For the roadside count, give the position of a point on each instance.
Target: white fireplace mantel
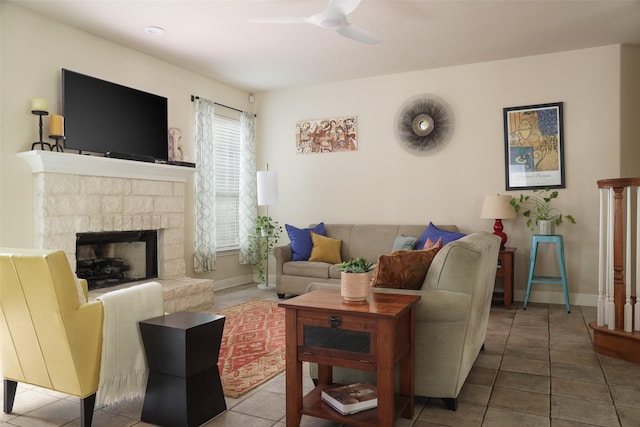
(81, 164)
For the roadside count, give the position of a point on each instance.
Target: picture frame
(534, 146)
(327, 135)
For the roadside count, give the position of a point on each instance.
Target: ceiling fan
(334, 17)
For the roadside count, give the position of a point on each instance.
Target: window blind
(226, 135)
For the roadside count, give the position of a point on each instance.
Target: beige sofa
(451, 317)
(358, 240)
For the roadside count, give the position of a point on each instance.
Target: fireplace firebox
(111, 258)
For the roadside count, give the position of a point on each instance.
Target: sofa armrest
(282, 254)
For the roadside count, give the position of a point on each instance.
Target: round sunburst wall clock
(424, 124)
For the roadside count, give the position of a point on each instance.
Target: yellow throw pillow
(325, 249)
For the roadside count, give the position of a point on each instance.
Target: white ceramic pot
(546, 227)
(355, 287)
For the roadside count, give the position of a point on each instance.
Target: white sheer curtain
(204, 258)
(248, 205)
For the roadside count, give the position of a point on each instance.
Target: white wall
(382, 183)
(630, 101)
(34, 49)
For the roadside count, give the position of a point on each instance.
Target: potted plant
(262, 240)
(355, 280)
(539, 211)
(267, 226)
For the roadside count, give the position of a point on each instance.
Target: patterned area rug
(253, 343)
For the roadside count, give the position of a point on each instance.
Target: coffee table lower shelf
(313, 405)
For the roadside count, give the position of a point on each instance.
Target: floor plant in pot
(539, 212)
(355, 280)
(263, 238)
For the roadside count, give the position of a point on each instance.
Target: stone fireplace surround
(76, 193)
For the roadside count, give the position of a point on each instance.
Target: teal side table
(548, 280)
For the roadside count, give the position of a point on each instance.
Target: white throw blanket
(124, 371)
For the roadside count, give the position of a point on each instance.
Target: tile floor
(538, 369)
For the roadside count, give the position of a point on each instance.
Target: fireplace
(110, 258)
(74, 194)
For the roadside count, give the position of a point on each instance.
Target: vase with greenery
(355, 280)
(263, 238)
(537, 209)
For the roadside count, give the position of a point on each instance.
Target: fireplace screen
(111, 258)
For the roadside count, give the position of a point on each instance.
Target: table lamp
(497, 207)
(267, 195)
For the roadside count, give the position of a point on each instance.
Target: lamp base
(497, 230)
(267, 287)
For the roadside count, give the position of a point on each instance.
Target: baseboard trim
(552, 297)
(233, 281)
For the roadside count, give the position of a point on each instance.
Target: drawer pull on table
(335, 321)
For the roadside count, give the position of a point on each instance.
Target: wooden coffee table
(375, 336)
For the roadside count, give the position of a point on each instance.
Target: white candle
(39, 104)
(56, 125)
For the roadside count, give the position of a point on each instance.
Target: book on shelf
(352, 398)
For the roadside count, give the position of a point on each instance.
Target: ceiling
(215, 38)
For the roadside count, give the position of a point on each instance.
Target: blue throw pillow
(403, 243)
(434, 233)
(301, 243)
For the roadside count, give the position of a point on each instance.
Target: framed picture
(327, 135)
(534, 146)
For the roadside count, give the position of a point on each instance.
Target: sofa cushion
(325, 249)
(434, 233)
(403, 269)
(301, 243)
(403, 243)
(317, 270)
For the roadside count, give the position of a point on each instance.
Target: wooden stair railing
(617, 328)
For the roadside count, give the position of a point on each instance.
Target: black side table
(184, 387)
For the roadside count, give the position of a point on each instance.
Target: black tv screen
(102, 117)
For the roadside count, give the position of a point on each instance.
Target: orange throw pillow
(430, 245)
(403, 269)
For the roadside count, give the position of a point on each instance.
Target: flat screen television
(105, 117)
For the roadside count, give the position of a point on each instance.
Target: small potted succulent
(355, 280)
(537, 208)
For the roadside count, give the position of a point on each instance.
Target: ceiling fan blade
(280, 20)
(343, 7)
(356, 33)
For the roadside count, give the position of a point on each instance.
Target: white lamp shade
(497, 207)
(267, 188)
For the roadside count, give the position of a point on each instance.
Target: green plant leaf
(538, 207)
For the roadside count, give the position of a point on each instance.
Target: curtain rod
(193, 98)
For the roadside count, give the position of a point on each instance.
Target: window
(226, 136)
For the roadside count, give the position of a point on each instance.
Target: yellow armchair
(48, 336)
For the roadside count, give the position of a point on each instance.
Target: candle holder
(40, 113)
(57, 145)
